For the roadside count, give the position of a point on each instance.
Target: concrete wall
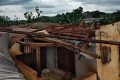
(83, 64)
(51, 57)
(80, 65)
(109, 71)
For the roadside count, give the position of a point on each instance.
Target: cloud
(12, 8)
(13, 2)
(108, 2)
(46, 3)
(53, 7)
(102, 5)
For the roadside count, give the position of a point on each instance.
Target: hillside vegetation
(74, 17)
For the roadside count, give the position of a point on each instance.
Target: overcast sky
(53, 7)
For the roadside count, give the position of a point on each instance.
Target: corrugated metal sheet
(8, 70)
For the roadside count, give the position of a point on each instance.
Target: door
(43, 57)
(66, 60)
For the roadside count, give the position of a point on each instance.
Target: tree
(28, 16)
(77, 15)
(38, 11)
(116, 15)
(97, 14)
(93, 14)
(73, 17)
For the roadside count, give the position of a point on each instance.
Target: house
(58, 52)
(108, 66)
(88, 20)
(69, 51)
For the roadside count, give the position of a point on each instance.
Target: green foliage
(110, 18)
(73, 17)
(28, 16)
(77, 15)
(116, 16)
(93, 14)
(38, 11)
(4, 20)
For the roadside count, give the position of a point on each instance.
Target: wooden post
(38, 61)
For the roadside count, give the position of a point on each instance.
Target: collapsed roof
(64, 35)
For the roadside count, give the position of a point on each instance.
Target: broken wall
(109, 71)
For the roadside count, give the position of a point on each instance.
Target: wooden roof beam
(56, 36)
(32, 44)
(71, 35)
(71, 47)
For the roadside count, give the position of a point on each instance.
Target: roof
(60, 32)
(72, 31)
(8, 69)
(24, 29)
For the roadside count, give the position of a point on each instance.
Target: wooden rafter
(34, 44)
(61, 37)
(71, 47)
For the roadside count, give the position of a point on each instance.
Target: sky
(52, 7)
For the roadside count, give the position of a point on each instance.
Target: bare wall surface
(83, 64)
(51, 57)
(109, 71)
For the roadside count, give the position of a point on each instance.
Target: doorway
(66, 60)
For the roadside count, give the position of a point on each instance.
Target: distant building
(88, 20)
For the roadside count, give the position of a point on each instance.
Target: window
(105, 54)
